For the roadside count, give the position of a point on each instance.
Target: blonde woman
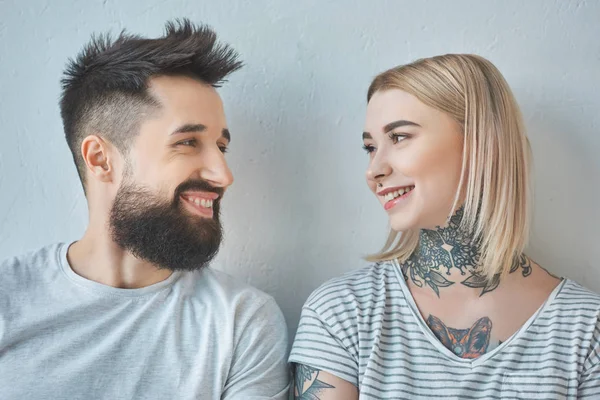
(452, 308)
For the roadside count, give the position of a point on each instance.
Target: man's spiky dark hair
(105, 88)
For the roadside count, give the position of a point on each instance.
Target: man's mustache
(198, 185)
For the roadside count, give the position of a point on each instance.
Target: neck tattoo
(444, 250)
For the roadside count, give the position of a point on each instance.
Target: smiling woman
(452, 308)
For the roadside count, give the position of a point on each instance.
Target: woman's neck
(447, 256)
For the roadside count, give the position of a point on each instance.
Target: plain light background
(299, 211)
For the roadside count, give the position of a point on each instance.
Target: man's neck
(447, 257)
(96, 257)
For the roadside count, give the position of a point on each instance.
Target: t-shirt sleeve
(320, 345)
(589, 384)
(589, 387)
(259, 369)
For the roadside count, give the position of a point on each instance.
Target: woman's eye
(368, 148)
(223, 149)
(397, 137)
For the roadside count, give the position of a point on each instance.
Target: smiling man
(132, 310)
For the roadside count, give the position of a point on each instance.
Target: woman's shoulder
(573, 294)
(574, 308)
(356, 286)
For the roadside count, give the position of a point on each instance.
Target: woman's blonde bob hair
(496, 154)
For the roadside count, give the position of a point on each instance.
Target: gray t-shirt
(196, 335)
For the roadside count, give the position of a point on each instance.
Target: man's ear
(96, 153)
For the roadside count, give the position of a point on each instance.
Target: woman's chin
(402, 223)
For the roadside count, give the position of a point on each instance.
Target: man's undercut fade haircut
(105, 88)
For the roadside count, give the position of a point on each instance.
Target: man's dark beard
(163, 233)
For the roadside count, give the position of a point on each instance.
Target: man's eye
(189, 142)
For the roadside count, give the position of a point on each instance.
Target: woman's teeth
(397, 193)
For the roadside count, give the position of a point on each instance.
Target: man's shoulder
(24, 267)
(356, 287)
(44, 253)
(214, 285)
(235, 303)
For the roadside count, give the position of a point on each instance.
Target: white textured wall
(299, 211)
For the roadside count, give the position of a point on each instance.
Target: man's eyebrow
(189, 128)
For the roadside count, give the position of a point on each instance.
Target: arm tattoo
(466, 343)
(450, 248)
(305, 374)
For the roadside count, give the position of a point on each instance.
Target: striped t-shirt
(366, 329)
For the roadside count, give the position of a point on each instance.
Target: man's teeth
(202, 202)
(397, 193)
